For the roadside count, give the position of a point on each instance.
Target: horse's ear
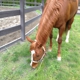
(31, 41)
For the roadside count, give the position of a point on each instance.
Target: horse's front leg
(61, 31)
(50, 46)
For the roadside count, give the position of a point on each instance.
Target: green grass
(14, 63)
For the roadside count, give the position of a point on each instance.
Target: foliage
(14, 62)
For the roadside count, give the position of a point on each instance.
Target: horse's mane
(48, 19)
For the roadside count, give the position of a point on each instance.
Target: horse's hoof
(59, 58)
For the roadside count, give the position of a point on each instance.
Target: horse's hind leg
(67, 36)
(50, 47)
(57, 37)
(68, 27)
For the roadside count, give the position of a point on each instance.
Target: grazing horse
(56, 14)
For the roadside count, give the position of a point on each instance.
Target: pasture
(15, 61)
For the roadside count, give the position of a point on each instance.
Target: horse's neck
(41, 37)
(45, 29)
(48, 20)
(43, 32)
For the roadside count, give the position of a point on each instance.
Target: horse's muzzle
(33, 65)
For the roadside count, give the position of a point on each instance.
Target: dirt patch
(13, 21)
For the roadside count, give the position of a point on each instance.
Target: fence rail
(23, 24)
(9, 13)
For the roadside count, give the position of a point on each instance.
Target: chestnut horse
(56, 14)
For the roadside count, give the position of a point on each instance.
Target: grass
(14, 63)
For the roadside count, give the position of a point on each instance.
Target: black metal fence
(21, 27)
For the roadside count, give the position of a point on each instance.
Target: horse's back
(70, 8)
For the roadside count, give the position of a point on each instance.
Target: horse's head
(37, 52)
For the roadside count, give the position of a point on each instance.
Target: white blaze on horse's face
(32, 53)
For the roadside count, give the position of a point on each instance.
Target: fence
(21, 27)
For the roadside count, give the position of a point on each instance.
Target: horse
(56, 14)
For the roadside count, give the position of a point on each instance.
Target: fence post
(35, 2)
(13, 3)
(42, 4)
(22, 18)
(0, 2)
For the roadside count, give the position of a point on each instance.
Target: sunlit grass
(14, 63)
